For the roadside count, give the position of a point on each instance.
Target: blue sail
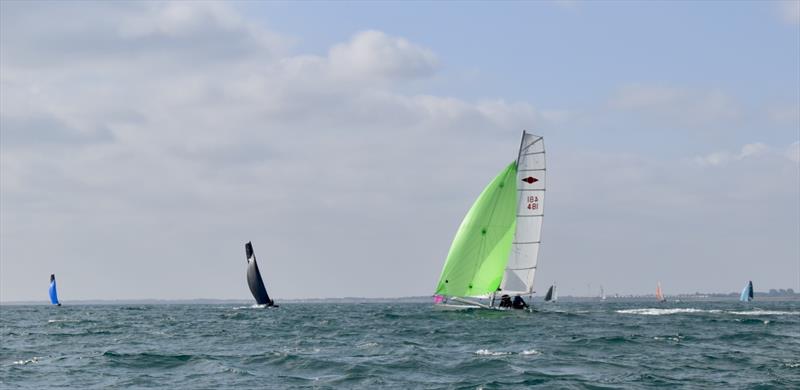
(53, 292)
(747, 292)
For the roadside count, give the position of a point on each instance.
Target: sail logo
(530, 180)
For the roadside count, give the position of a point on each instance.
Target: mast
(521, 267)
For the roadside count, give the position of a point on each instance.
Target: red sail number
(533, 202)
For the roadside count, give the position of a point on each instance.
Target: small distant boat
(747, 292)
(53, 291)
(495, 250)
(254, 280)
(602, 293)
(659, 293)
(552, 295)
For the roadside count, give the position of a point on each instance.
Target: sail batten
(531, 177)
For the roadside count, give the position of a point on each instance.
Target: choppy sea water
(608, 344)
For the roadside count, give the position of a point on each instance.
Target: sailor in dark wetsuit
(505, 301)
(519, 303)
(272, 303)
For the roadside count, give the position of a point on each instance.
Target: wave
(34, 359)
(148, 360)
(765, 313)
(60, 321)
(486, 352)
(253, 306)
(659, 312)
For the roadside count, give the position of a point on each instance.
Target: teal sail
(747, 292)
(480, 249)
(53, 292)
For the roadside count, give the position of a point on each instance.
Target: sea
(597, 344)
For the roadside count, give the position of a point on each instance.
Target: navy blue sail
(747, 292)
(254, 280)
(549, 296)
(53, 292)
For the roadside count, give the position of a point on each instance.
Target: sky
(143, 143)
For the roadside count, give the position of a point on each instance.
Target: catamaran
(496, 248)
(254, 280)
(747, 292)
(552, 295)
(659, 293)
(53, 292)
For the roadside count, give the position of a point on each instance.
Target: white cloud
(748, 151)
(785, 115)
(683, 106)
(793, 152)
(790, 11)
(752, 150)
(373, 53)
(147, 127)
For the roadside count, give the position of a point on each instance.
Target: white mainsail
(521, 267)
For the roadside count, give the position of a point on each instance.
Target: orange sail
(659, 293)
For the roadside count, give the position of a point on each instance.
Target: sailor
(519, 303)
(505, 301)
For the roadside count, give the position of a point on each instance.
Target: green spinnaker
(480, 249)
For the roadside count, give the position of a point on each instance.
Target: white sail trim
(531, 181)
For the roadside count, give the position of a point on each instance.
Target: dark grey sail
(254, 280)
(549, 296)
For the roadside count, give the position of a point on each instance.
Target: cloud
(377, 54)
(683, 106)
(785, 115)
(165, 131)
(138, 34)
(793, 152)
(790, 11)
(748, 151)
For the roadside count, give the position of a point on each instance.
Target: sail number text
(533, 202)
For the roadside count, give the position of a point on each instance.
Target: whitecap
(659, 312)
(530, 352)
(254, 306)
(34, 359)
(669, 338)
(486, 352)
(765, 313)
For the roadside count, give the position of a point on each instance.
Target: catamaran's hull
(459, 307)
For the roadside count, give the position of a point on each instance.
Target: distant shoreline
(416, 299)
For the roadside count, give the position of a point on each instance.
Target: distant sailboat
(659, 293)
(53, 291)
(496, 248)
(551, 295)
(602, 293)
(254, 280)
(747, 292)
